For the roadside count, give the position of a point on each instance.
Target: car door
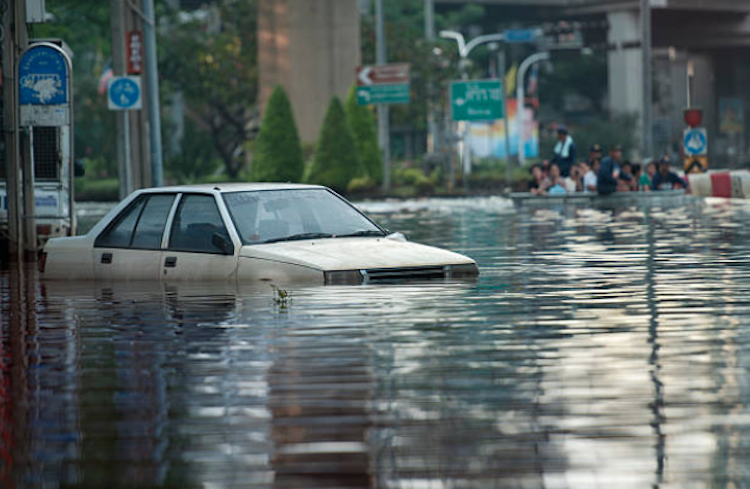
(130, 247)
(200, 246)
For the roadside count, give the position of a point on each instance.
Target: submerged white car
(246, 232)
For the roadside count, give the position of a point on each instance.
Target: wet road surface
(599, 348)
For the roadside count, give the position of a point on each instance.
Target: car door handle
(170, 261)
(106, 258)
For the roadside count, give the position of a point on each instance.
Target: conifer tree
(336, 159)
(362, 122)
(278, 152)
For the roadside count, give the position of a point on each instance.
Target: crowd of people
(603, 175)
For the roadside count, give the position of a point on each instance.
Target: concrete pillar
(312, 48)
(625, 65)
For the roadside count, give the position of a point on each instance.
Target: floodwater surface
(598, 349)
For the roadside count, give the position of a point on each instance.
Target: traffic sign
(124, 93)
(519, 35)
(695, 141)
(477, 100)
(393, 74)
(383, 84)
(383, 94)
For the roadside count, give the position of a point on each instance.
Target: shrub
(362, 123)
(336, 160)
(278, 153)
(361, 185)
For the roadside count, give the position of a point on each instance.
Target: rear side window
(140, 226)
(150, 226)
(119, 234)
(196, 221)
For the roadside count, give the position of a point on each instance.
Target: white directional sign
(695, 141)
(124, 93)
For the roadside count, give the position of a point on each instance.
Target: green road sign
(477, 100)
(383, 94)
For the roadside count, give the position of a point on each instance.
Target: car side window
(119, 234)
(150, 227)
(196, 221)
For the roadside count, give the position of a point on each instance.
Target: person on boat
(665, 179)
(557, 186)
(539, 182)
(645, 183)
(589, 177)
(625, 178)
(574, 181)
(565, 151)
(636, 173)
(609, 171)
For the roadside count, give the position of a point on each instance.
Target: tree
(336, 160)
(362, 123)
(278, 152)
(212, 60)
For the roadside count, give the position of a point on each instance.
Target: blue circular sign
(695, 141)
(43, 76)
(124, 93)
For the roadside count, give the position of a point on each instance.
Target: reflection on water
(599, 348)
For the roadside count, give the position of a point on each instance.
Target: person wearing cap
(665, 179)
(565, 151)
(609, 171)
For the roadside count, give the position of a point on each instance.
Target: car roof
(231, 187)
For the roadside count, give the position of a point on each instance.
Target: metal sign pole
(383, 125)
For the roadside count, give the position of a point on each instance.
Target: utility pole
(122, 130)
(152, 86)
(433, 143)
(506, 129)
(13, 42)
(383, 125)
(647, 81)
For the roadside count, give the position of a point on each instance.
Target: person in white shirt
(589, 178)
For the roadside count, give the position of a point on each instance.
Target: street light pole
(647, 81)
(520, 98)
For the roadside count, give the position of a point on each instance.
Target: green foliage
(278, 153)
(216, 70)
(336, 160)
(361, 185)
(489, 174)
(92, 189)
(197, 159)
(362, 123)
(585, 76)
(409, 177)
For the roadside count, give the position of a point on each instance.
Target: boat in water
(617, 199)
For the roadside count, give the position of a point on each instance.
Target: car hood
(353, 254)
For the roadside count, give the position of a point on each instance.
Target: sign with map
(44, 86)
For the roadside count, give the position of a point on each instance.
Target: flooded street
(598, 349)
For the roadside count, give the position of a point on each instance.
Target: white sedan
(246, 232)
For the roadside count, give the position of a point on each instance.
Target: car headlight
(344, 277)
(464, 271)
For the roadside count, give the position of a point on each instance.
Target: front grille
(399, 274)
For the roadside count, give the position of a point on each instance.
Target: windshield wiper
(296, 237)
(362, 233)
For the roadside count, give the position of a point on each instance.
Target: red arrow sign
(393, 74)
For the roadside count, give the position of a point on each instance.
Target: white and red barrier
(730, 184)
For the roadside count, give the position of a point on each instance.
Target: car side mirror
(222, 243)
(397, 237)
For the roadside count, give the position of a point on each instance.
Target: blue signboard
(43, 77)
(125, 93)
(519, 35)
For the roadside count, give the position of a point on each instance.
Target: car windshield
(269, 216)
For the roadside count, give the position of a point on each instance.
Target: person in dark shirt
(539, 182)
(609, 171)
(665, 179)
(565, 152)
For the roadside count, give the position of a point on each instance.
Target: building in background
(312, 48)
(710, 40)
